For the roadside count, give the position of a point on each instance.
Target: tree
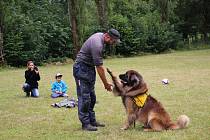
(77, 19)
(31, 35)
(205, 18)
(102, 9)
(163, 7)
(194, 18)
(1, 33)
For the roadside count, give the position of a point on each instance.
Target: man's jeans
(27, 89)
(85, 77)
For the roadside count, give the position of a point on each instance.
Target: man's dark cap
(114, 34)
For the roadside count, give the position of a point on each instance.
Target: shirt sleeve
(53, 87)
(97, 53)
(64, 87)
(38, 77)
(27, 75)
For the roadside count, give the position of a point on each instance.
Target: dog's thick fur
(152, 114)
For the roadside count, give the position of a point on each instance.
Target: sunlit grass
(188, 93)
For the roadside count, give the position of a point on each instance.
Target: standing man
(89, 58)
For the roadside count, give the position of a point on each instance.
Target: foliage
(29, 35)
(143, 32)
(161, 37)
(40, 30)
(193, 18)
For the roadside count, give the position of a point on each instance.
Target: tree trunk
(204, 19)
(102, 8)
(1, 34)
(1, 47)
(163, 6)
(165, 12)
(73, 13)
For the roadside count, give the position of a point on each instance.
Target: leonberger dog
(142, 107)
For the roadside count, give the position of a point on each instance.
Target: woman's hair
(29, 62)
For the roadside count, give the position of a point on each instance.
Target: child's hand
(58, 92)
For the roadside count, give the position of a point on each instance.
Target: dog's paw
(108, 70)
(124, 128)
(148, 130)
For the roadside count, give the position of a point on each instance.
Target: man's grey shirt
(91, 52)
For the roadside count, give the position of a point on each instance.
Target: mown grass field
(188, 93)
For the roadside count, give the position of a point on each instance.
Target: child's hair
(29, 62)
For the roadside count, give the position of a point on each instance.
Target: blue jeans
(34, 91)
(85, 77)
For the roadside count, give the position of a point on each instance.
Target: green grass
(188, 93)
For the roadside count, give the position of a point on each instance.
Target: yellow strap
(140, 99)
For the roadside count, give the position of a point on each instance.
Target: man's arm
(101, 73)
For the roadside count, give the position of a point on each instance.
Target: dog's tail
(182, 122)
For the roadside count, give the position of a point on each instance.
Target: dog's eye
(126, 77)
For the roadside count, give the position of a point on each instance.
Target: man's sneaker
(97, 124)
(89, 127)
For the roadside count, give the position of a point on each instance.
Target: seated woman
(59, 87)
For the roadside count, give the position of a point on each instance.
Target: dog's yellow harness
(140, 100)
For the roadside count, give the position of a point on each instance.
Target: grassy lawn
(188, 93)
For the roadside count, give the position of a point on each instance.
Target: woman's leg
(27, 89)
(34, 92)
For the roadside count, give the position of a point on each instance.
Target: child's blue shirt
(59, 86)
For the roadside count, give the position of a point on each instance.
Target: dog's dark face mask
(129, 79)
(124, 78)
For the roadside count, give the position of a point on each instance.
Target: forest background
(54, 30)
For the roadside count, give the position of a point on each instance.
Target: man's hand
(101, 73)
(108, 87)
